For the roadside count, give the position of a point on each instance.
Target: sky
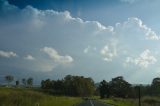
(99, 39)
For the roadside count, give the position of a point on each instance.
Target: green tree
(104, 89)
(9, 79)
(78, 86)
(30, 82)
(24, 82)
(17, 83)
(58, 86)
(155, 86)
(88, 87)
(46, 84)
(119, 87)
(70, 85)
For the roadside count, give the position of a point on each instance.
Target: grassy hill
(29, 97)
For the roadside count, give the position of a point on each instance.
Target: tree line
(82, 86)
(25, 82)
(70, 85)
(118, 87)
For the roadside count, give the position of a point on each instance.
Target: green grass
(145, 101)
(151, 101)
(34, 97)
(28, 97)
(119, 102)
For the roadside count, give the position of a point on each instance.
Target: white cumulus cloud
(136, 25)
(86, 49)
(29, 57)
(144, 60)
(53, 54)
(7, 54)
(109, 51)
(89, 48)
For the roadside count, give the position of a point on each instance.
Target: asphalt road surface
(92, 103)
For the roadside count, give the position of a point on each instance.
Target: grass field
(120, 102)
(28, 97)
(145, 101)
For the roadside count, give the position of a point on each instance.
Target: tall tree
(30, 82)
(119, 87)
(78, 86)
(47, 84)
(9, 79)
(17, 83)
(58, 86)
(104, 89)
(24, 82)
(155, 86)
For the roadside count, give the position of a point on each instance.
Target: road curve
(93, 103)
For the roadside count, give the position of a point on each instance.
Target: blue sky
(98, 39)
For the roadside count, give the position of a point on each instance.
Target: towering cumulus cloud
(48, 40)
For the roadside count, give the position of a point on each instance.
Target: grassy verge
(150, 101)
(145, 101)
(119, 102)
(26, 97)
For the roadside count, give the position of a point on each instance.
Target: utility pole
(139, 95)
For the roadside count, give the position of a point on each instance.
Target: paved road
(92, 103)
